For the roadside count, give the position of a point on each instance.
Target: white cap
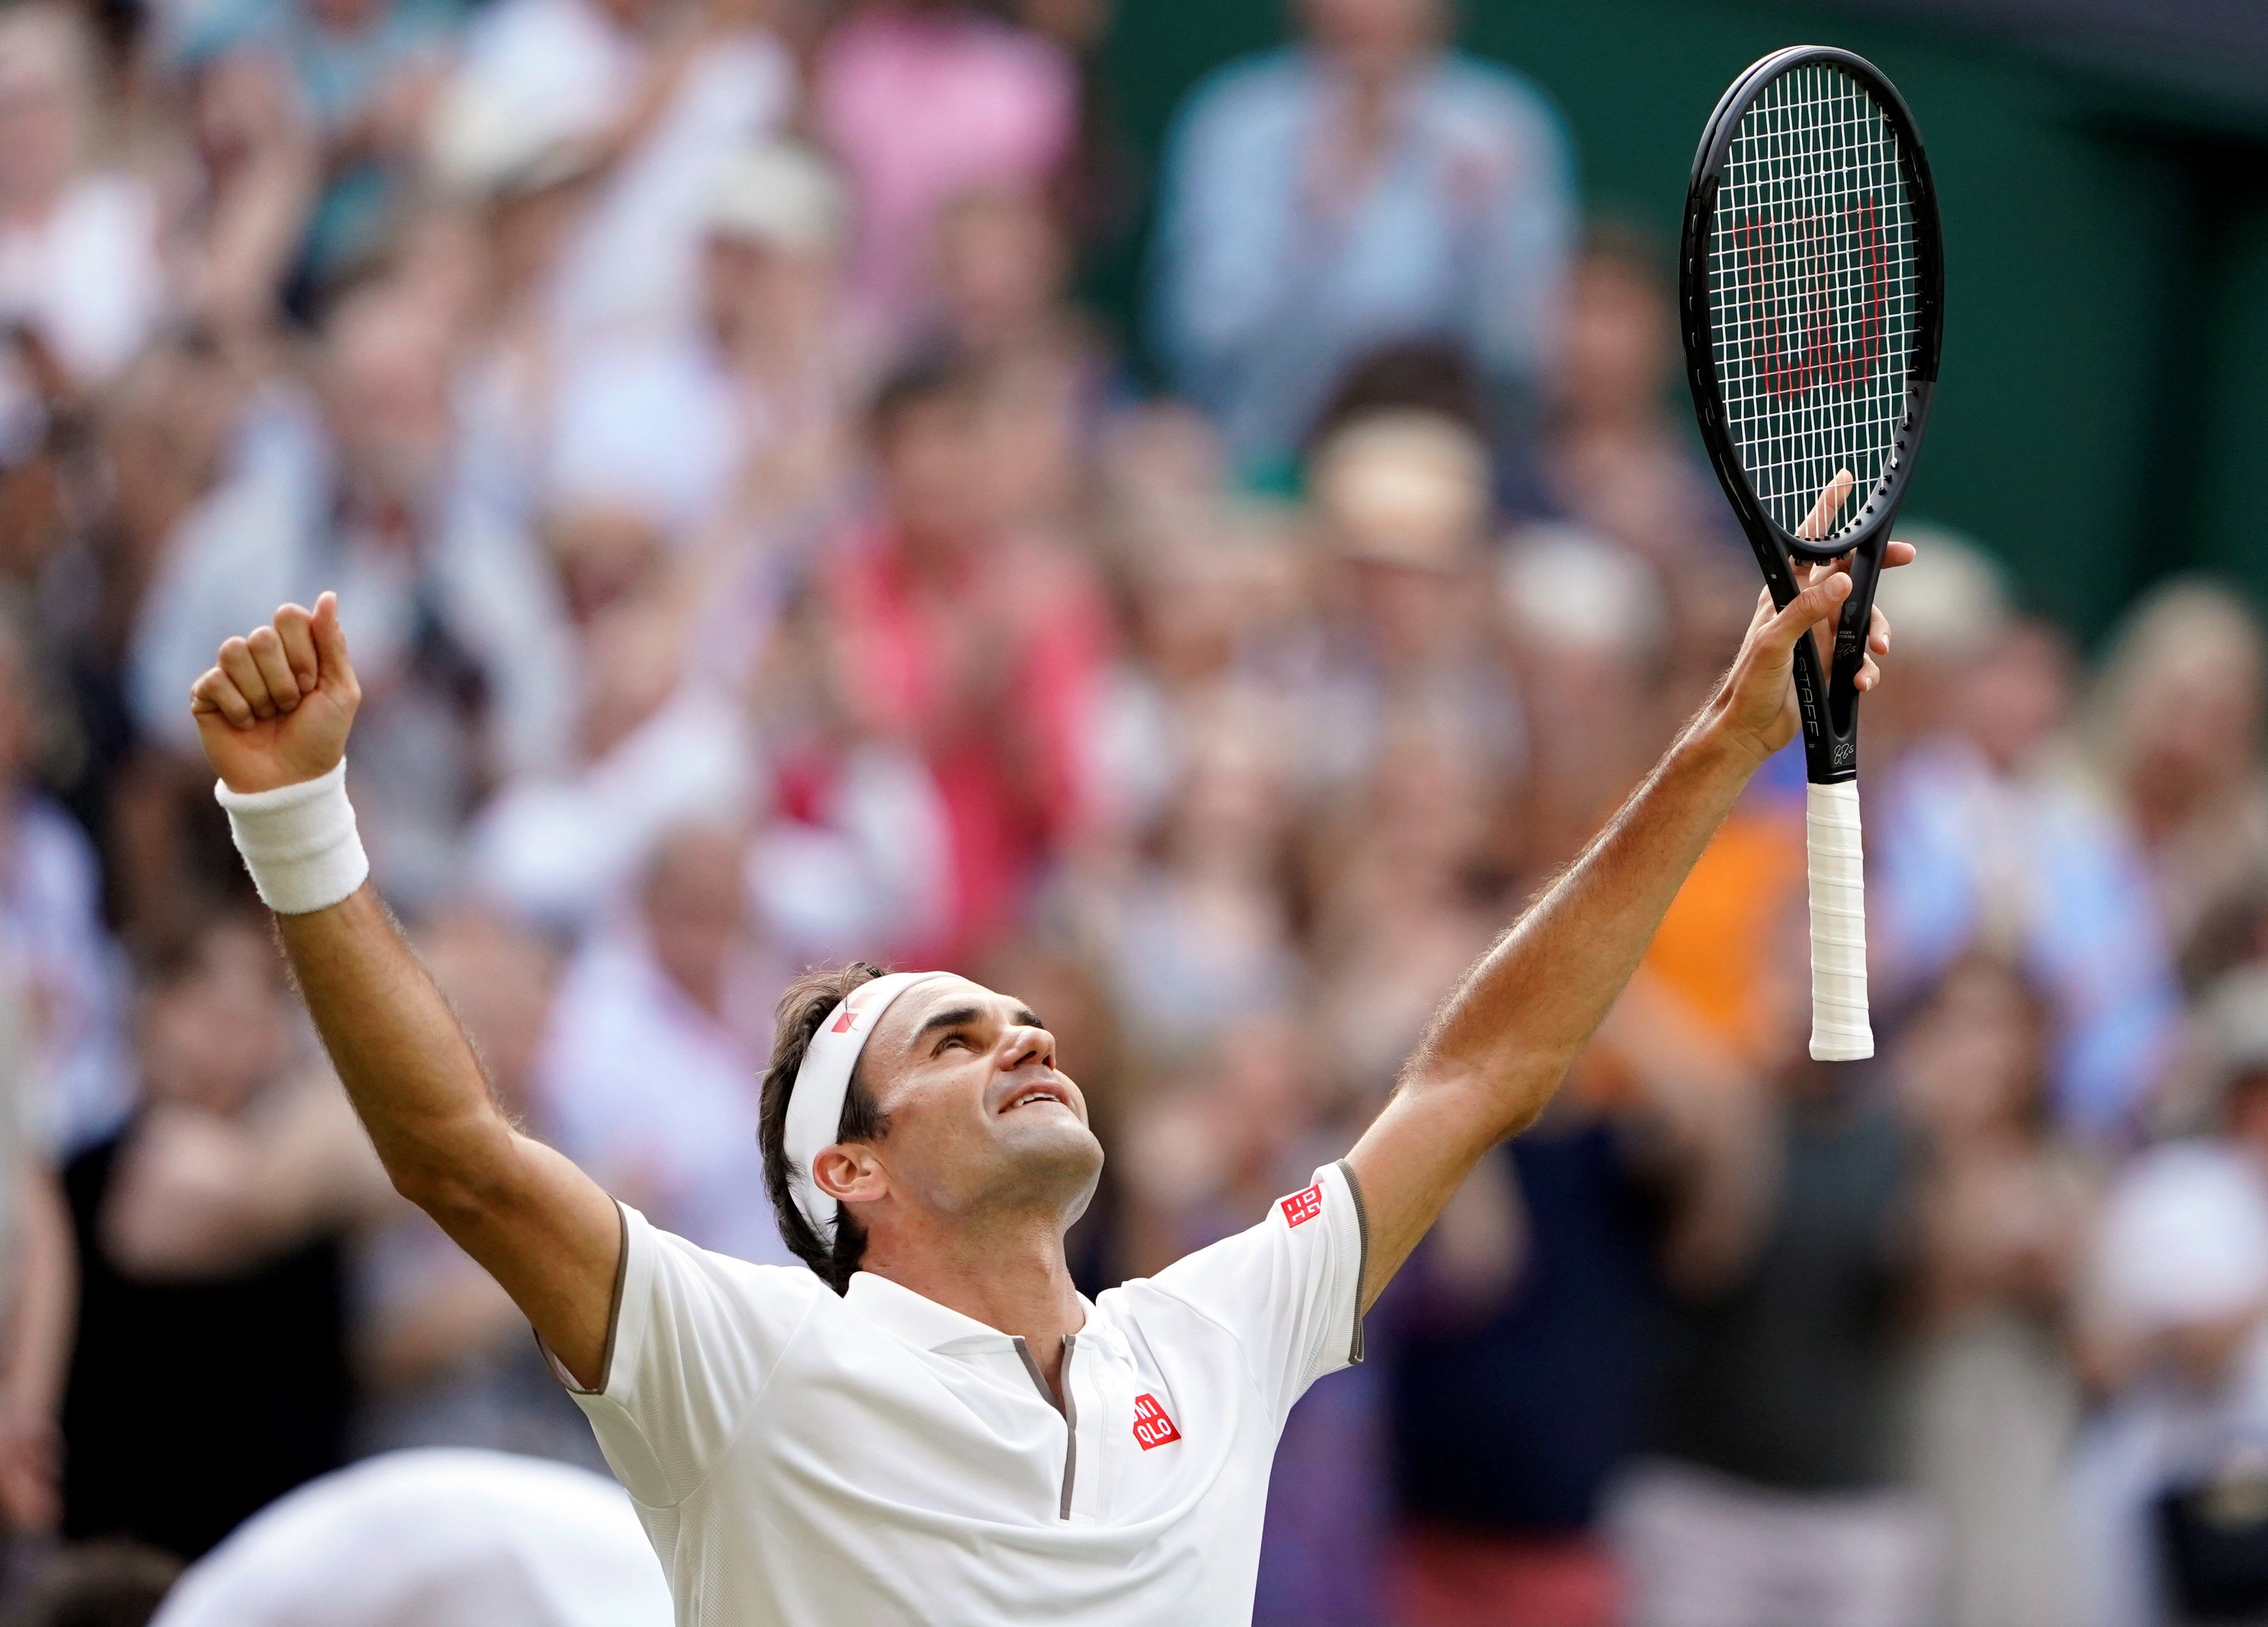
(783, 195)
(1404, 486)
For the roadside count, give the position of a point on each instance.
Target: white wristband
(298, 841)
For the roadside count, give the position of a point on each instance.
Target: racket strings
(1812, 288)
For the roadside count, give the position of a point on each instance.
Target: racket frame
(1829, 699)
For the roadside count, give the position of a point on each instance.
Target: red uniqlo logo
(1302, 1207)
(1152, 1426)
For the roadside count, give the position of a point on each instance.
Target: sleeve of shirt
(693, 1341)
(1289, 1289)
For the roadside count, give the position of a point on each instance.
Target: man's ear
(848, 1172)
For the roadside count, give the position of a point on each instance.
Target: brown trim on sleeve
(1362, 1264)
(613, 1321)
(622, 1276)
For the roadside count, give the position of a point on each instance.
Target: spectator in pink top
(924, 101)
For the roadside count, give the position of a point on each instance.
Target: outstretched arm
(274, 713)
(1505, 1036)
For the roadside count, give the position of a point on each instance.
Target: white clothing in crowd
(437, 1538)
(656, 1098)
(87, 279)
(2184, 1244)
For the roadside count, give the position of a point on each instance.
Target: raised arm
(274, 714)
(1505, 1036)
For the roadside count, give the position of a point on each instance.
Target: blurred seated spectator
(2177, 733)
(210, 1235)
(443, 1356)
(727, 446)
(783, 362)
(71, 1074)
(652, 1063)
(1983, 838)
(1003, 279)
(658, 98)
(2176, 1344)
(655, 748)
(1366, 185)
(98, 1585)
(79, 245)
(1400, 500)
(433, 1539)
(1619, 454)
(1589, 631)
(1771, 1497)
(246, 534)
(1525, 1335)
(363, 73)
(2005, 1214)
(1194, 936)
(255, 173)
(982, 649)
(924, 101)
(1406, 894)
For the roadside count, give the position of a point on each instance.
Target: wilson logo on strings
(1804, 280)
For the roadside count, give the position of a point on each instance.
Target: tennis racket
(1812, 291)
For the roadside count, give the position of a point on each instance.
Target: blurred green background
(2104, 398)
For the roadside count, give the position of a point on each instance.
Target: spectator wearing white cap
(1400, 502)
(661, 102)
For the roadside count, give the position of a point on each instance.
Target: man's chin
(1058, 1156)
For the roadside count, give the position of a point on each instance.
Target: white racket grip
(1840, 1032)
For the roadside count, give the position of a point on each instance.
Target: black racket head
(1812, 295)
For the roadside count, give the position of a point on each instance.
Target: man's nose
(1029, 1044)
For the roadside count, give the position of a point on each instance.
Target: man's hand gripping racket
(1812, 294)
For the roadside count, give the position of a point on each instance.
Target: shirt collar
(899, 1311)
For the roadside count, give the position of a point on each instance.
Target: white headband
(814, 1101)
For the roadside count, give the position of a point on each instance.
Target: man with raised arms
(931, 1424)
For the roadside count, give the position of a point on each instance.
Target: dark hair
(106, 1584)
(802, 1009)
(1428, 375)
(935, 375)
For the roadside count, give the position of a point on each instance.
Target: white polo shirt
(801, 1457)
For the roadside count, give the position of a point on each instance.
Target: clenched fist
(275, 708)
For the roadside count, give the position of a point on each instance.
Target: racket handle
(1840, 1032)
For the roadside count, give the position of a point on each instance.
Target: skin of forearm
(548, 1234)
(1514, 1026)
(409, 1070)
(1508, 1033)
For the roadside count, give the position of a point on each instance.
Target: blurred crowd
(754, 555)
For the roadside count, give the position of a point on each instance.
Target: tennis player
(931, 1425)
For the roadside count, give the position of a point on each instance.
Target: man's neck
(1017, 1281)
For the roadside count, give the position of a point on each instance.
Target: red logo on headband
(1302, 1207)
(1152, 1426)
(843, 1023)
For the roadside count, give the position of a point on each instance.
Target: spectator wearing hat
(1400, 503)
